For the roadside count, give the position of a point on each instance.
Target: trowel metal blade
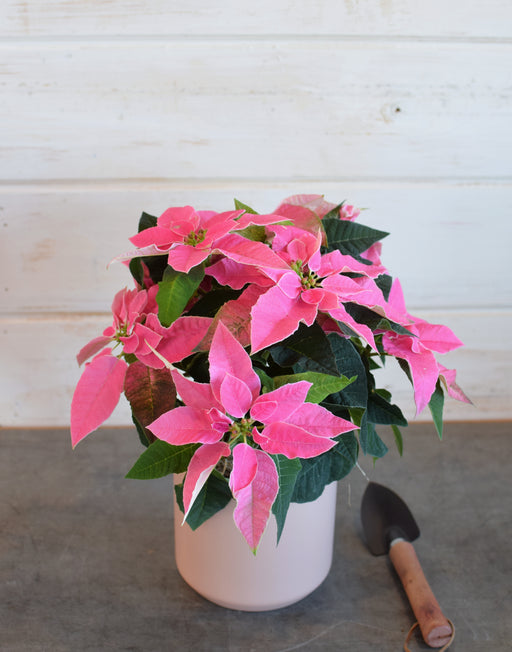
(385, 517)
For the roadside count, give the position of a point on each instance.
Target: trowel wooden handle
(435, 628)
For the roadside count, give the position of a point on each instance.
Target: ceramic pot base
(216, 561)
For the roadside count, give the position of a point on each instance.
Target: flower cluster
(247, 350)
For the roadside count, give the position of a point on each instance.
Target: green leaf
(147, 221)
(240, 206)
(334, 213)
(175, 291)
(398, 439)
(371, 443)
(350, 238)
(267, 383)
(254, 232)
(373, 364)
(308, 349)
(196, 366)
(364, 315)
(287, 471)
(161, 459)
(349, 363)
(209, 304)
(323, 384)
(214, 496)
(384, 393)
(136, 270)
(383, 412)
(404, 366)
(341, 410)
(141, 431)
(384, 283)
(356, 415)
(212, 301)
(156, 266)
(319, 471)
(436, 405)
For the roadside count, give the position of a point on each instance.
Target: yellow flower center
(195, 237)
(308, 279)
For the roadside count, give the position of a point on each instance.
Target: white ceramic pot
(216, 561)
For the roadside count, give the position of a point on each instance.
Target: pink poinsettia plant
(246, 350)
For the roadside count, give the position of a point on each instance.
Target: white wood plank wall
(110, 108)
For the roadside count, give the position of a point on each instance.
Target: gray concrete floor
(86, 556)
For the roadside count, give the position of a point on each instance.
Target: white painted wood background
(110, 108)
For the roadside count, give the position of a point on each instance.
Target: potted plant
(247, 352)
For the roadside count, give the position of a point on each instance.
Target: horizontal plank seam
(66, 185)
(79, 39)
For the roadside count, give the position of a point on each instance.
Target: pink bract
(129, 309)
(311, 283)
(173, 343)
(305, 211)
(289, 425)
(416, 349)
(203, 462)
(448, 376)
(186, 235)
(96, 394)
(305, 291)
(254, 483)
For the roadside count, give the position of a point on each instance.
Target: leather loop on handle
(445, 647)
(435, 628)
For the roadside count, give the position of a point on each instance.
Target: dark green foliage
(319, 471)
(214, 496)
(161, 459)
(308, 349)
(350, 238)
(287, 470)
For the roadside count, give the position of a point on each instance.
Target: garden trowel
(389, 527)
